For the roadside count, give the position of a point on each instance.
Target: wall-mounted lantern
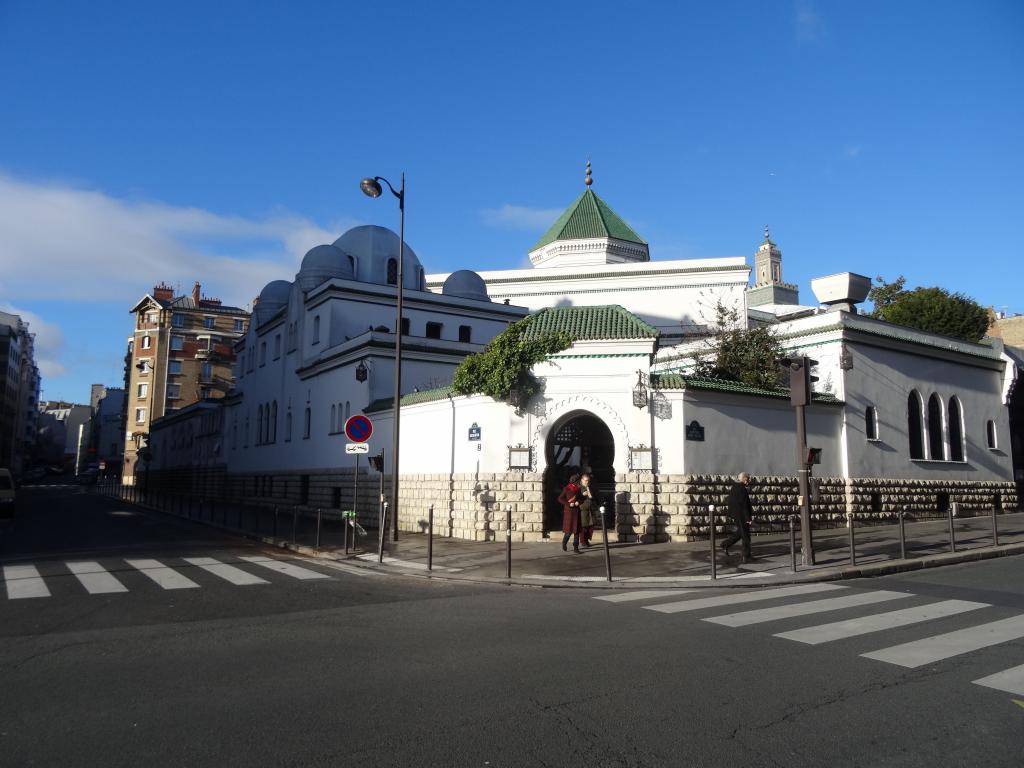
(640, 391)
(361, 372)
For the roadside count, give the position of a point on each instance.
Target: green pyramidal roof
(589, 216)
(609, 321)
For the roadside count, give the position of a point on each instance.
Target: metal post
(344, 528)
(430, 538)
(381, 531)
(711, 532)
(853, 545)
(954, 508)
(295, 521)
(607, 551)
(792, 541)
(397, 404)
(318, 511)
(803, 474)
(903, 535)
(508, 541)
(275, 522)
(355, 497)
(995, 528)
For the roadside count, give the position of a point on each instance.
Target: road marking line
(839, 630)
(939, 647)
(288, 569)
(746, 597)
(236, 576)
(650, 579)
(761, 615)
(24, 581)
(352, 570)
(407, 564)
(644, 594)
(162, 575)
(1010, 680)
(95, 578)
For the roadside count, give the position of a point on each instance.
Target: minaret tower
(768, 286)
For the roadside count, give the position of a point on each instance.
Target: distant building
(108, 430)
(180, 352)
(19, 393)
(64, 430)
(1009, 329)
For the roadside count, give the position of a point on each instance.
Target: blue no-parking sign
(358, 428)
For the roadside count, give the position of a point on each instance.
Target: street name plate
(357, 448)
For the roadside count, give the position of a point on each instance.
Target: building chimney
(163, 292)
(196, 293)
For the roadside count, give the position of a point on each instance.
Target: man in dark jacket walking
(742, 513)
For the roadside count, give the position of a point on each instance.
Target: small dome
(273, 296)
(321, 264)
(373, 247)
(465, 284)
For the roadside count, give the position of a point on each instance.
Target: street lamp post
(372, 188)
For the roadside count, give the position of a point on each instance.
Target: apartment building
(180, 352)
(19, 393)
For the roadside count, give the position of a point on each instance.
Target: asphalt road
(263, 664)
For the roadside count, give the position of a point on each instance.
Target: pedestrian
(569, 499)
(586, 499)
(743, 515)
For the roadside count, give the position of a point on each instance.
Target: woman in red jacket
(569, 499)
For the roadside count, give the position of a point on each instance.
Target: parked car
(8, 493)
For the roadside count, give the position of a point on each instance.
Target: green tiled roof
(679, 381)
(589, 216)
(589, 323)
(411, 398)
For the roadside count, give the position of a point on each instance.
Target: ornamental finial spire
(767, 237)
(589, 179)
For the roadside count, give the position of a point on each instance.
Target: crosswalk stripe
(643, 594)
(165, 577)
(24, 581)
(746, 597)
(864, 625)
(95, 578)
(921, 652)
(1010, 680)
(288, 569)
(236, 576)
(761, 615)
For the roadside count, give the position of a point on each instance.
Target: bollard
(380, 531)
(853, 546)
(318, 513)
(954, 508)
(607, 551)
(430, 537)
(344, 530)
(711, 532)
(275, 522)
(995, 528)
(903, 535)
(792, 542)
(295, 522)
(508, 541)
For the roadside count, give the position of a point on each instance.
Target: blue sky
(219, 141)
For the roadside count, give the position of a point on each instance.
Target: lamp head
(371, 187)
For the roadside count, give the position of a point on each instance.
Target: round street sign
(358, 428)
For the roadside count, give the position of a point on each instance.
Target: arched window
(936, 446)
(316, 329)
(288, 427)
(245, 437)
(348, 410)
(956, 431)
(259, 425)
(392, 271)
(871, 423)
(334, 418)
(273, 422)
(990, 435)
(915, 425)
(308, 419)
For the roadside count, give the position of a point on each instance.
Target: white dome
(373, 247)
(465, 284)
(321, 264)
(273, 296)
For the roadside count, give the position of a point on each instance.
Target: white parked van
(7, 493)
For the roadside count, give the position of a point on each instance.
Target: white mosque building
(903, 418)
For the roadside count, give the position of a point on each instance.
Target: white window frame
(142, 390)
(147, 342)
(140, 415)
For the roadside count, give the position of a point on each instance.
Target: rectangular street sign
(357, 448)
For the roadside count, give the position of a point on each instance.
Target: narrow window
(277, 346)
(956, 431)
(334, 418)
(392, 271)
(259, 425)
(915, 423)
(147, 342)
(245, 435)
(990, 434)
(173, 391)
(306, 424)
(434, 330)
(273, 422)
(209, 322)
(177, 342)
(348, 410)
(239, 326)
(936, 447)
(206, 372)
(465, 334)
(178, 320)
(143, 391)
(140, 415)
(288, 427)
(871, 423)
(316, 329)
(174, 367)
(405, 326)
(263, 353)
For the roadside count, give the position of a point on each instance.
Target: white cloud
(49, 341)
(519, 217)
(809, 26)
(59, 241)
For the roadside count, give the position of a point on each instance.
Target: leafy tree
(738, 353)
(929, 309)
(506, 362)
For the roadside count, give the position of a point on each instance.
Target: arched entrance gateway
(578, 440)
